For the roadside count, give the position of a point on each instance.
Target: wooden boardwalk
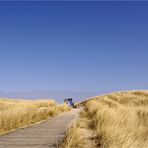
(43, 135)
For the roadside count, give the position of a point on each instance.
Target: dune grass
(21, 113)
(116, 120)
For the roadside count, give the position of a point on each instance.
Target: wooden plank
(43, 135)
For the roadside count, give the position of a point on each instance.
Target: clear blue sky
(76, 46)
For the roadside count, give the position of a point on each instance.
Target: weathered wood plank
(43, 135)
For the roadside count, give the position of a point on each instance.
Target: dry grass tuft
(116, 120)
(78, 134)
(20, 113)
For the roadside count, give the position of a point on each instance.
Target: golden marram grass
(20, 113)
(116, 120)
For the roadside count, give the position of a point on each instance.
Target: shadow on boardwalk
(44, 135)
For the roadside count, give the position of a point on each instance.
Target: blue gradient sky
(73, 46)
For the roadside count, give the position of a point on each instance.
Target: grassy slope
(116, 120)
(20, 113)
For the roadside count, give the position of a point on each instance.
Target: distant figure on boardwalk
(69, 101)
